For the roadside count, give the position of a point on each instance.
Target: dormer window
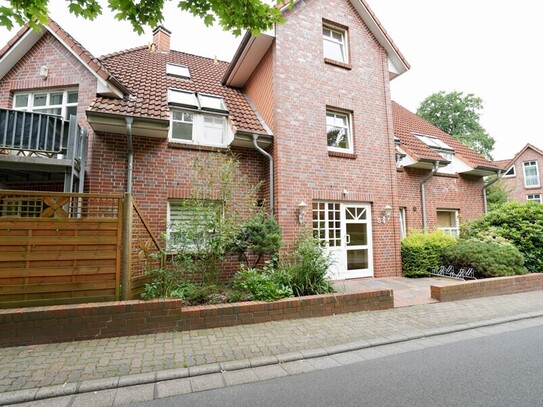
(197, 118)
(441, 148)
(180, 71)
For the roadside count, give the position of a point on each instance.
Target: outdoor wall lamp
(44, 72)
(302, 206)
(387, 213)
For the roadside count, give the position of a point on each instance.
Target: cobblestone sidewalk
(65, 363)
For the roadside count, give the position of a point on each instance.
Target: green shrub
(166, 284)
(487, 259)
(251, 284)
(260, 235)
(307, 267)
(422, 252)
(519, 223)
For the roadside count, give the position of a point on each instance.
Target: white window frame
(343, 43)
(30, 107)
(403, 222)
(510, 172)
(453, 231)
(180, 71)
(534, 197)
(169, 229)
(198, 128)
(524, 166)
(348, 128)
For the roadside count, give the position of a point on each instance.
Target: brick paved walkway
(43, 365)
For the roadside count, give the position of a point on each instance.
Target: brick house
(306, 107)
(522, 175)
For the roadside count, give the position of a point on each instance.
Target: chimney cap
(161, 28)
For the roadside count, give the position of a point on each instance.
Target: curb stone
(87, 386)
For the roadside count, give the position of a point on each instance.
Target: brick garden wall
(488, 287)
(27, 326)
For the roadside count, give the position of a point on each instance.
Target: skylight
(434, 142)
(177, 70)
(180, 97)
(211, 102)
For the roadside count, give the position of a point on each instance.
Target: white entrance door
(346, 228)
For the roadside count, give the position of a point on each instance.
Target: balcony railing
(37, 134)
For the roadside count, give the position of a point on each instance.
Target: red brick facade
(292, 87)
(515, 184)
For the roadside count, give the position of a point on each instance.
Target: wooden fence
(59, 248)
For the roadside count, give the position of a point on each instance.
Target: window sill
(338, 63)
(199, 147)
(532, 187)
(350, 156)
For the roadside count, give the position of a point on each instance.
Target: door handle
(347, 239)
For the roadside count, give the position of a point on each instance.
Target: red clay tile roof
(505, 164)
(144, 73)
(406, 123)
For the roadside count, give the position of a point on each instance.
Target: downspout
(130, 146)
(270, 159)
(422, 195)
(489, 183)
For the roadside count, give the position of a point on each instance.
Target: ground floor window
(447, 222)
(534, 197)
(403, 225)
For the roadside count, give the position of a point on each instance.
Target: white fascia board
(21, 47)
(103, 87)
(252, 54)
(407, 159)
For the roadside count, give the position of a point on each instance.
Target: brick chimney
(161, 38)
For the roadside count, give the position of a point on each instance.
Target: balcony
(37, 147)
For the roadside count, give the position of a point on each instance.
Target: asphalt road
(498, 370)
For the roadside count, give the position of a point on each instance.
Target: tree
(232, 15)
(458, 115)
(496, 194)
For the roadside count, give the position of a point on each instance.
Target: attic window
(434, 143)
(177, 70)
(510, 172)
(197, 100)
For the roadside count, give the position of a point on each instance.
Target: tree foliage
(232, 15)
(458, 115)
(496, 195)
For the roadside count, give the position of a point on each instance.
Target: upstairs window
(57, 102)
(197, 118)
(335, 44)
(180, 71)
(531, 174)
(441, 148)
(338, 131)
(510, 172)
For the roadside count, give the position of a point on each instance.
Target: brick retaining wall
(25, 326)
(488, 287)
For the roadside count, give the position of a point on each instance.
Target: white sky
(489, 48)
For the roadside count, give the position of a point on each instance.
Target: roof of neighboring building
(143, 72)
(407, 124)
(505, 164)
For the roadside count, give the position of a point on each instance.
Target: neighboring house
(522, 177)
(310, 97)
(440, 180)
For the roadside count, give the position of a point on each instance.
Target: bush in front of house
(519, 223)
(259, 285)
(487, 259)
(423, 252)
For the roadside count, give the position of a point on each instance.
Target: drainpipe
(130, 165)
(423, 198)
(489, 183)
(270, 159)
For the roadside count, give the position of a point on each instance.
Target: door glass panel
(358, 233)
(357, 259)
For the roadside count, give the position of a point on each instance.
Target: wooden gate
(58, 248)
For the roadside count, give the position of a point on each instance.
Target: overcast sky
(488, 48)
